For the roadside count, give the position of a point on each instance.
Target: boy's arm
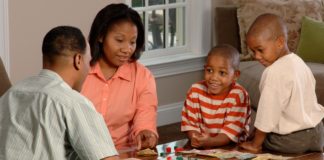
(236, 118)
(255, 145)
(190, 134)
(220, 140)
(206, 141)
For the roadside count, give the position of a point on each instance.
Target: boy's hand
(199, 140)
(146, 139)
(249, 146)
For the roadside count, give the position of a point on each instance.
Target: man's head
(267, 38)
(66, 52)
(221, 68)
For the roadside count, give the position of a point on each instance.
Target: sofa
(227, 31)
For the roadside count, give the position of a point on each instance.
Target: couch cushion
(318, 71)
(310, 46)
(251, 72)
(292, 12)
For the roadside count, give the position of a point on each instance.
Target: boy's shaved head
(268, 25)
(228, 52)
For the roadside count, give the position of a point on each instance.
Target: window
(178, 32)
(164, 22)
(4, 34)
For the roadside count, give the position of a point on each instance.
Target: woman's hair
(104, 21)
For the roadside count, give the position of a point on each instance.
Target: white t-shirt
(288, 102)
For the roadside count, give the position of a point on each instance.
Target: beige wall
(174, 88)
(29, 21)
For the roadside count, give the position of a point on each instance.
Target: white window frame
(4, 34)
(191, 56)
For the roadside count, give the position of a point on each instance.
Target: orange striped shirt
(214, 114)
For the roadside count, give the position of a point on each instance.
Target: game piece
(179, 158)
(179, 150)
(146, 152)
(162, 154)
(168, 150)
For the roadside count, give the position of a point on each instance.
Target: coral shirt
(127, 101)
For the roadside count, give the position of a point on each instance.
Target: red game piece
(168, 150)
(169, 158)
(179, 149)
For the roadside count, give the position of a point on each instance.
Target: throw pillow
(311, 42)
(291, 11)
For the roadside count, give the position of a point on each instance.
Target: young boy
(288, 119)
(217, 109)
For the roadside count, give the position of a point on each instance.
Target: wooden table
(131, 153)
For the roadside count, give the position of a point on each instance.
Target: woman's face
(120, 43)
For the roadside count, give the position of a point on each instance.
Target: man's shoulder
(51, 89)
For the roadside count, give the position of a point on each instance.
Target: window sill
(174, 64)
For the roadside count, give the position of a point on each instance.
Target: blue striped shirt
(44, 118)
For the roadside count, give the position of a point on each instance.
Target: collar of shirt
(218, 96)
(53, 75)
(123, 72)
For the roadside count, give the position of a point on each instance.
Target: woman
(122, 89)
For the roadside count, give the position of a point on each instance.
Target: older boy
(217, 109)
(45, 116)
(288, 119)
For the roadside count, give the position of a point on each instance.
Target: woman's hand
(146, 139)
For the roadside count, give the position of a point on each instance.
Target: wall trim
(177, 67)
(170, 113)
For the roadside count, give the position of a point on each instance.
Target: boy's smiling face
(219, 74)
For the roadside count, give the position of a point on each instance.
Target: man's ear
(77, 61)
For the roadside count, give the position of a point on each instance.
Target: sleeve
(146, 106)
(88, 133)
(237, 115)
(275, 93)
(190, 113)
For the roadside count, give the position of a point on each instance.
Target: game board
(221, 154)
(233, 154)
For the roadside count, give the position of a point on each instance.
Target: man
(45, 117)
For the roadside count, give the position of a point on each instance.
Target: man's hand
(146, 139)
